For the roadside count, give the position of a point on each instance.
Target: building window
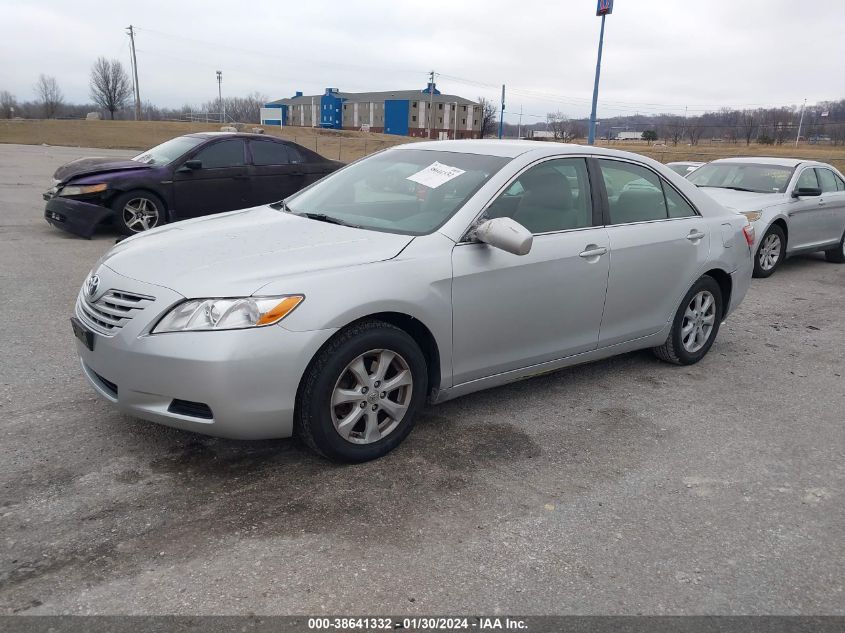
(414, 104)
(439, 106)
(463, 121)
(413, 118)
(475, 122)
(440, 120)
(464, 108)
(344, 106)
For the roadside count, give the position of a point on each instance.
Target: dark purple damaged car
(185, 177)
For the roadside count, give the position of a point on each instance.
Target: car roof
(237, 134)
(514, 148)
(767, 160)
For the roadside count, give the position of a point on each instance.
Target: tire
(360, 426)
(765, 263)
(676, 349)
(837, 253)
(135, 204)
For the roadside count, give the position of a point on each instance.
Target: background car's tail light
(750, 233)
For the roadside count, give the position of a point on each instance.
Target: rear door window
(269, 153)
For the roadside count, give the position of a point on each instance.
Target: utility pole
(220, 96)
(131, 31)
(519, 128)
(502, 116)
(430, 104)
(605, 8)
(800, 123)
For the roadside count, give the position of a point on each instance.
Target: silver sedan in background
(684, 167)
(796, 206)
(421, 273)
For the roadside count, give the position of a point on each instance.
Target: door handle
(695, 235)
(822, 202)
(591, 250)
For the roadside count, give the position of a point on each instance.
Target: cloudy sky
(660, 55)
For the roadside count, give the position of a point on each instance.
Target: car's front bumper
(75, 216)
(247, 378)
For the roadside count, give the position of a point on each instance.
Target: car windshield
(398, 191)
(168, 151)
(743, 177)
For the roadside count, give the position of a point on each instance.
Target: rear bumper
(74, 216)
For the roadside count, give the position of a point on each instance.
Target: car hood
(95, 165)
(743, 200)
(236, 253)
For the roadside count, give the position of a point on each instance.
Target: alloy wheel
(699, 319)
(140, 214)
(769, 251)
(371, 396)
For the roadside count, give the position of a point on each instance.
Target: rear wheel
(695, 325)
(771, 252)
(837, 253)
(138, 211)
(361, 393)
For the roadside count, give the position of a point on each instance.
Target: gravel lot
(625, 486)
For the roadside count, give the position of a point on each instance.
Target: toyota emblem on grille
(91, 285)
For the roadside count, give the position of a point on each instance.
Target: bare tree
(694, 130)
(747, 125)
(49, 95)
(675, 129)
(489, 118)
(110, 86)
(8, 104)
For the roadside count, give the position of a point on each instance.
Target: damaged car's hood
(96, 165)
(235, 254)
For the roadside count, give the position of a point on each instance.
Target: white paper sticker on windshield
(435, 175)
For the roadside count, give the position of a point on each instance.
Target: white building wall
(469, 117)
(421, 118)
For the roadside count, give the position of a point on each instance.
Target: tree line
(111, 96)
(824, 122)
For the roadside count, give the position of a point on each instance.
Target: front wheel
(138, 211)
(695, 325)
(361, 393)
(837, 253)
(770, 253)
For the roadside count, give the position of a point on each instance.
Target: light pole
(800, 123)
(604, 8)
(220, 95)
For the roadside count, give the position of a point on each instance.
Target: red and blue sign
(605, 7)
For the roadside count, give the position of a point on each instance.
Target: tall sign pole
(502, 116)
(604, 8)
(220, 95)
(131, 31)
(800, 123)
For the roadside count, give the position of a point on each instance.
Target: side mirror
(505, 234)
(191, 165)
(800, 192)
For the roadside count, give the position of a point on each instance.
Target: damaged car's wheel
(138, 211)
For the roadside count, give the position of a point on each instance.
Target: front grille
(192, 409)
(111, 312)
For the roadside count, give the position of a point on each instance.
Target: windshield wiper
(322, 217)
(732, 188)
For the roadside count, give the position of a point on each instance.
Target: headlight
(81, 190)
(753, 216)
(227, 314)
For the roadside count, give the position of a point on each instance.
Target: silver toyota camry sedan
(421, 273)
(796, 206)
